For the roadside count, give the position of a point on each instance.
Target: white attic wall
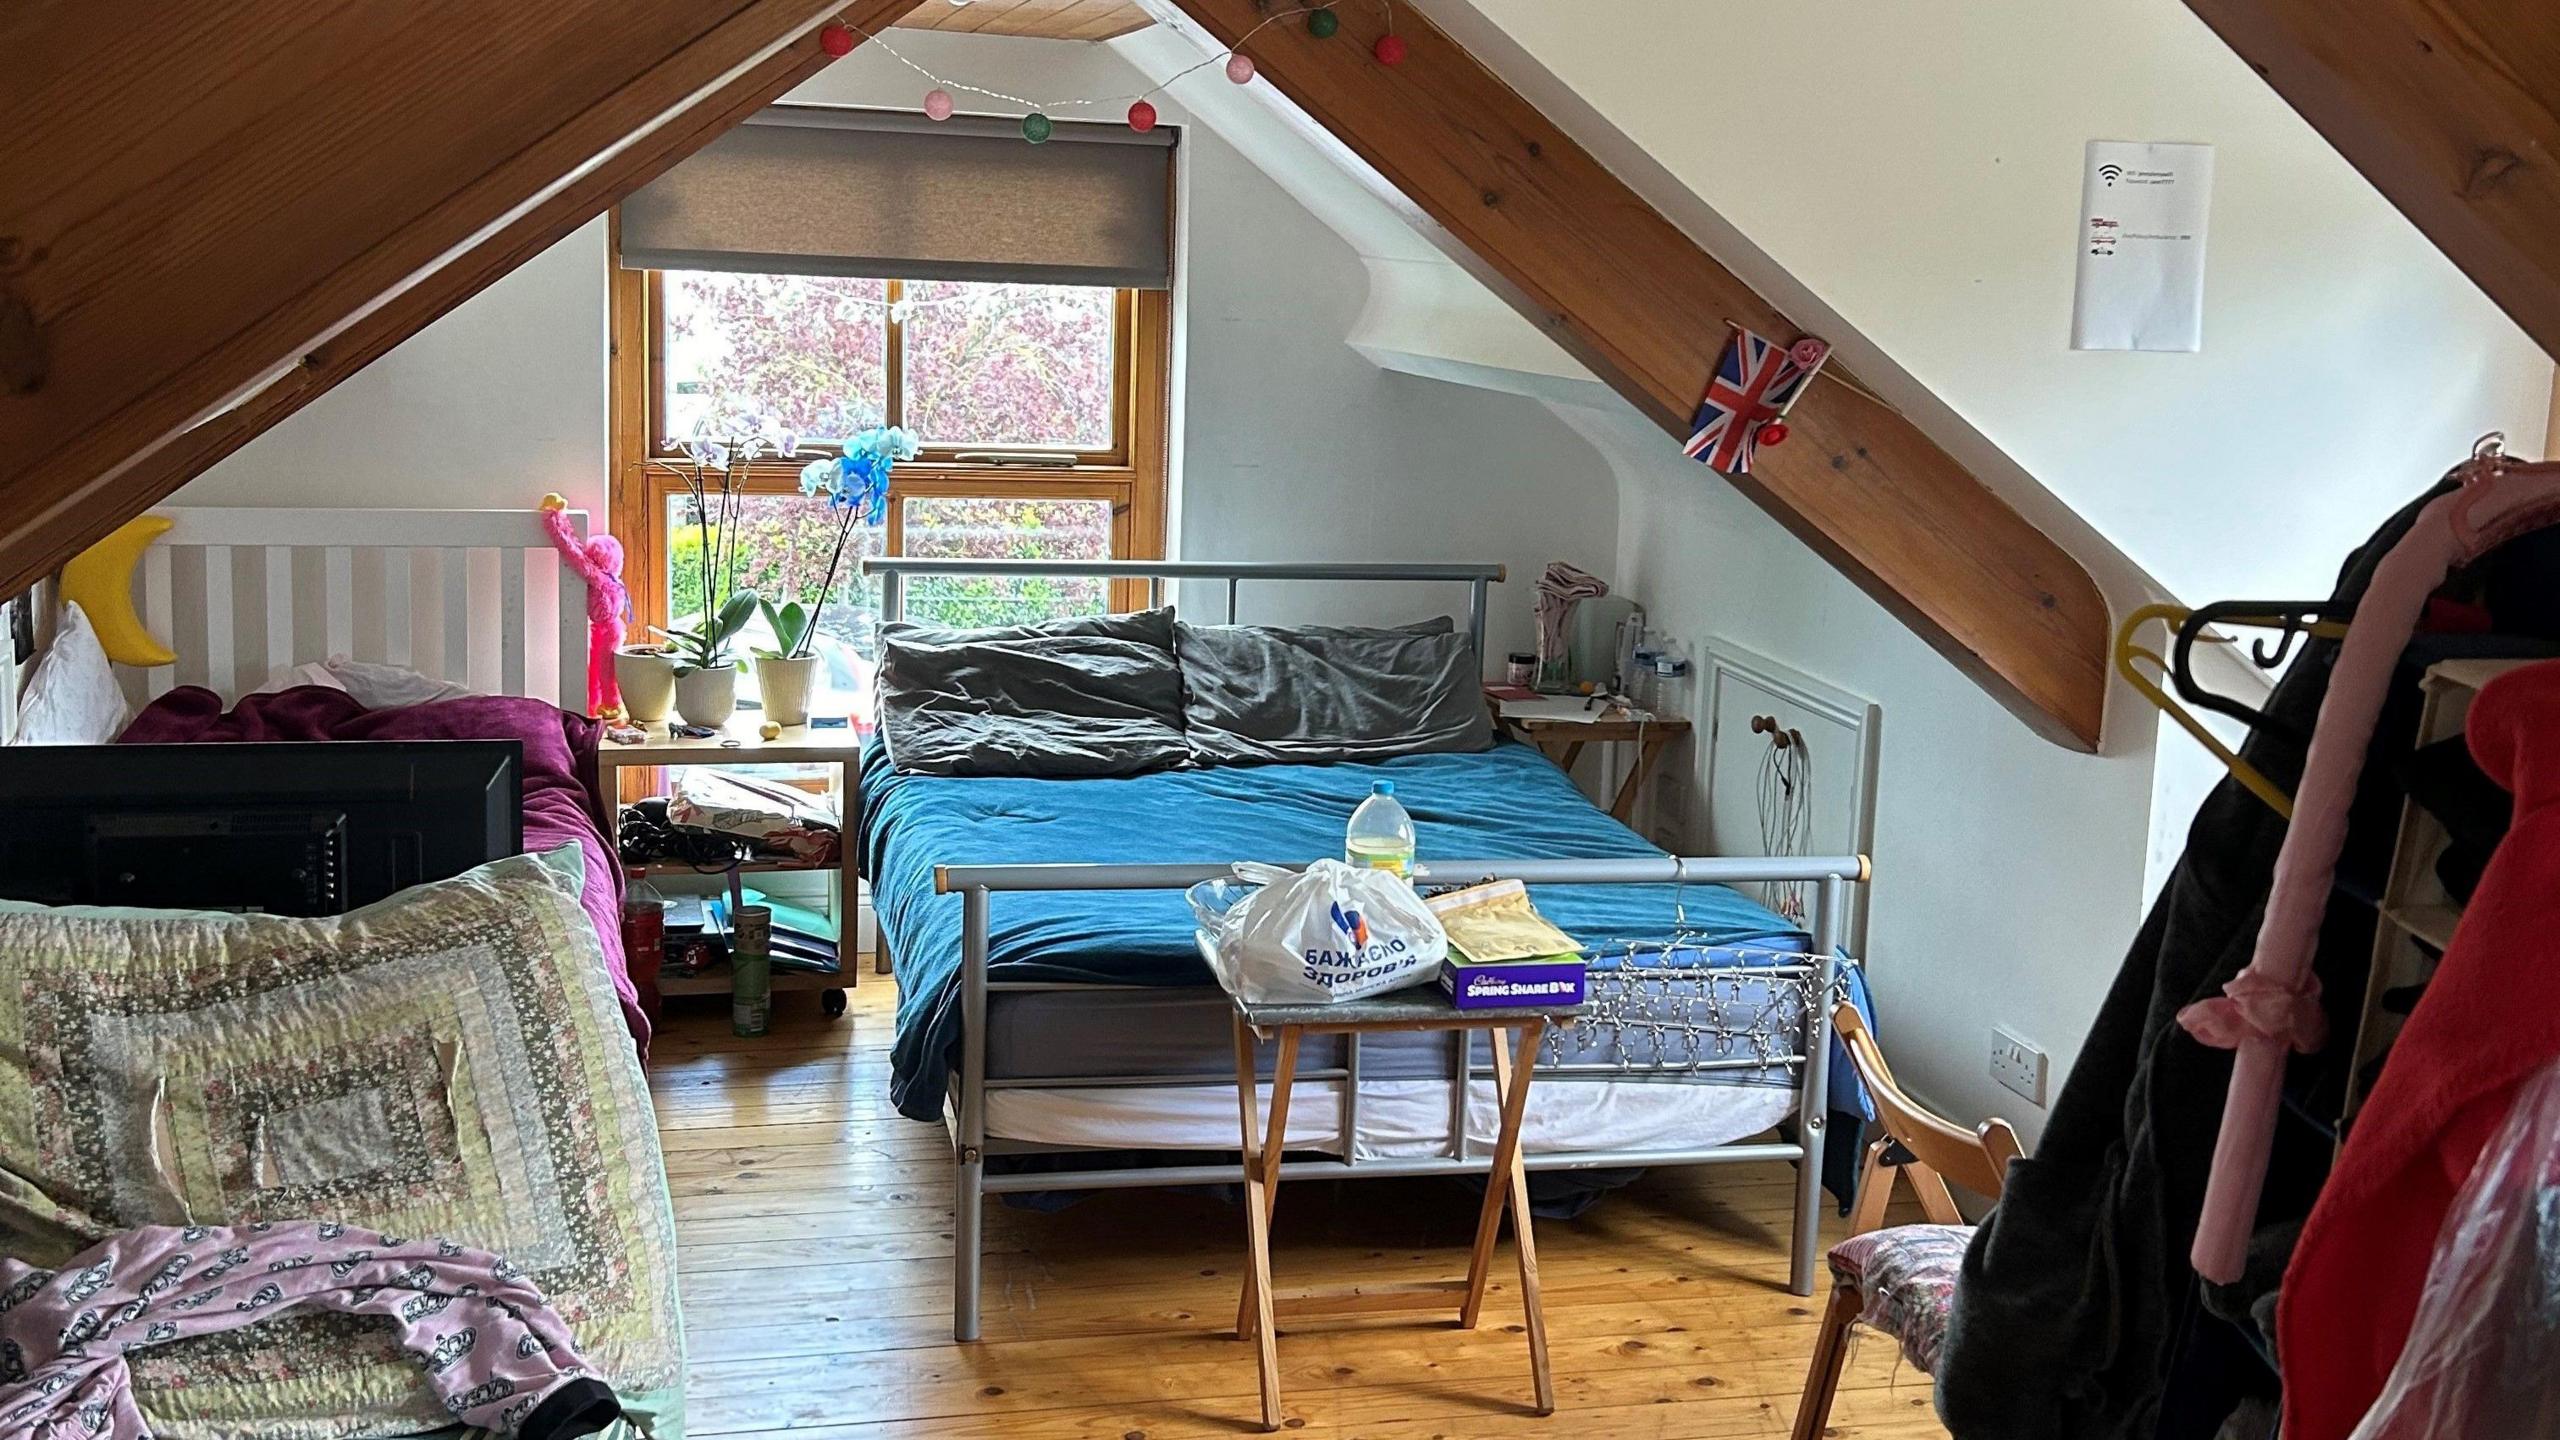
(1921, 178)
(1425, 314)
(2006, 865)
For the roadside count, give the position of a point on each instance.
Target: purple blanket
(490, 1347)
(560, 800)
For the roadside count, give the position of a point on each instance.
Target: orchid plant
(726, 609)
(856, 487)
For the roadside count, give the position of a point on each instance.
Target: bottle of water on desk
(1381, 834)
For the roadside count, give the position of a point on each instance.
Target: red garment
(2489, 1021)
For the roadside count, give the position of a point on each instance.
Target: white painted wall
(1924, 183)
(1926, 197)
(1296, 447)
(498, 402)
(2007, 869)
(1291, 446)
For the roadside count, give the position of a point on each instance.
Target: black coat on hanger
(2070, 1317)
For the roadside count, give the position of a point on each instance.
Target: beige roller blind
(822, 190)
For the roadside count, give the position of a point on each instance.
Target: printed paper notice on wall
(2142, 217)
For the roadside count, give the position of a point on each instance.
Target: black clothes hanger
(2290, 619)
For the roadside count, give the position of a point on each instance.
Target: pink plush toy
(598, 560)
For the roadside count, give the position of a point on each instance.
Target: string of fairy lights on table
(838, 39)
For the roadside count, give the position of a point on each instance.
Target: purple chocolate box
(1513, 984)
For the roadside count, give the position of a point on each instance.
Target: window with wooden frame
(1007, 304)
(1041, 408)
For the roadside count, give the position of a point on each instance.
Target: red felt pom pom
(1142, 117)
(836, 38)
(1773, 433)
(1389, 50)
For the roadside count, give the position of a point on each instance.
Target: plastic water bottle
(1381, 834)
(1670, 686)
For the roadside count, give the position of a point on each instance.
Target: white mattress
(1399, 1119)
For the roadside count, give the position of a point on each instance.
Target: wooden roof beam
(2450, 107)
(1627, 293)
(200, 235)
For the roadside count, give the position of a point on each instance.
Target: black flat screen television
(290, 828)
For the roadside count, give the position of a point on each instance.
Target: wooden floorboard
(814, 1239)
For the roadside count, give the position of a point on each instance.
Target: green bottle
(751, 971)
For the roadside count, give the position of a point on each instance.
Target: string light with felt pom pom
(1323, 22)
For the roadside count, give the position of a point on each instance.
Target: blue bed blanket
(1507, 803)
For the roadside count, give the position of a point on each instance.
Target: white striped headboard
(477, 597)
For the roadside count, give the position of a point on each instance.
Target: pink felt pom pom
(937, 104)
(1240, 67)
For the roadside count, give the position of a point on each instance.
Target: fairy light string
(836, 39)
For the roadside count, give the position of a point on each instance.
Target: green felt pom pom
(1323, 23)
(1037, 128)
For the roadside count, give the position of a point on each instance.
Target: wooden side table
(1506, 1180)
(739, 744)
(1562, 739)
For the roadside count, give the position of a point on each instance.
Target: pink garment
(1559, 590)
(491, 1348)
(2264, 1012)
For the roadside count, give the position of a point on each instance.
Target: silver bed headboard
(894, 569)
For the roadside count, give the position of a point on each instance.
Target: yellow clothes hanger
(2129, 651)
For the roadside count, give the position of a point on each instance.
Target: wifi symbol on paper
(2111, 173)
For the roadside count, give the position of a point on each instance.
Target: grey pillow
(1146, 627)
(1063, 698)
(1313, 694)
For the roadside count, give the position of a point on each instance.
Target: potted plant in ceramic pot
(706, 672)
(702, 670)
(646, 676)
(784, 672)
(856, 486)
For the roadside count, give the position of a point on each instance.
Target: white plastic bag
(1306, 937)
(2483, 1355)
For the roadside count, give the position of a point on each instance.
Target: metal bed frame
(965, 1113)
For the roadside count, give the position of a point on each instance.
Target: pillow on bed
(448, 1062)
(72, 698)
(1145, 627)
(1312, 694)
(1088, 696)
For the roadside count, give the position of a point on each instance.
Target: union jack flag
(1751, 384)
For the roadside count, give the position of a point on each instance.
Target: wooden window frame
(1131, 475)
(1124, 383)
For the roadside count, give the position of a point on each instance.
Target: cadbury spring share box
(1554, 980)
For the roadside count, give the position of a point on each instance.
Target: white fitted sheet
(1399, 1119)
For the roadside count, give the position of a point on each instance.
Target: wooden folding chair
(1902, 1279)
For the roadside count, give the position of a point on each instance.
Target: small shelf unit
(2418, 914)
(740, 744)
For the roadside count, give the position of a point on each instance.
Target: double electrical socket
(2017, 1064)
